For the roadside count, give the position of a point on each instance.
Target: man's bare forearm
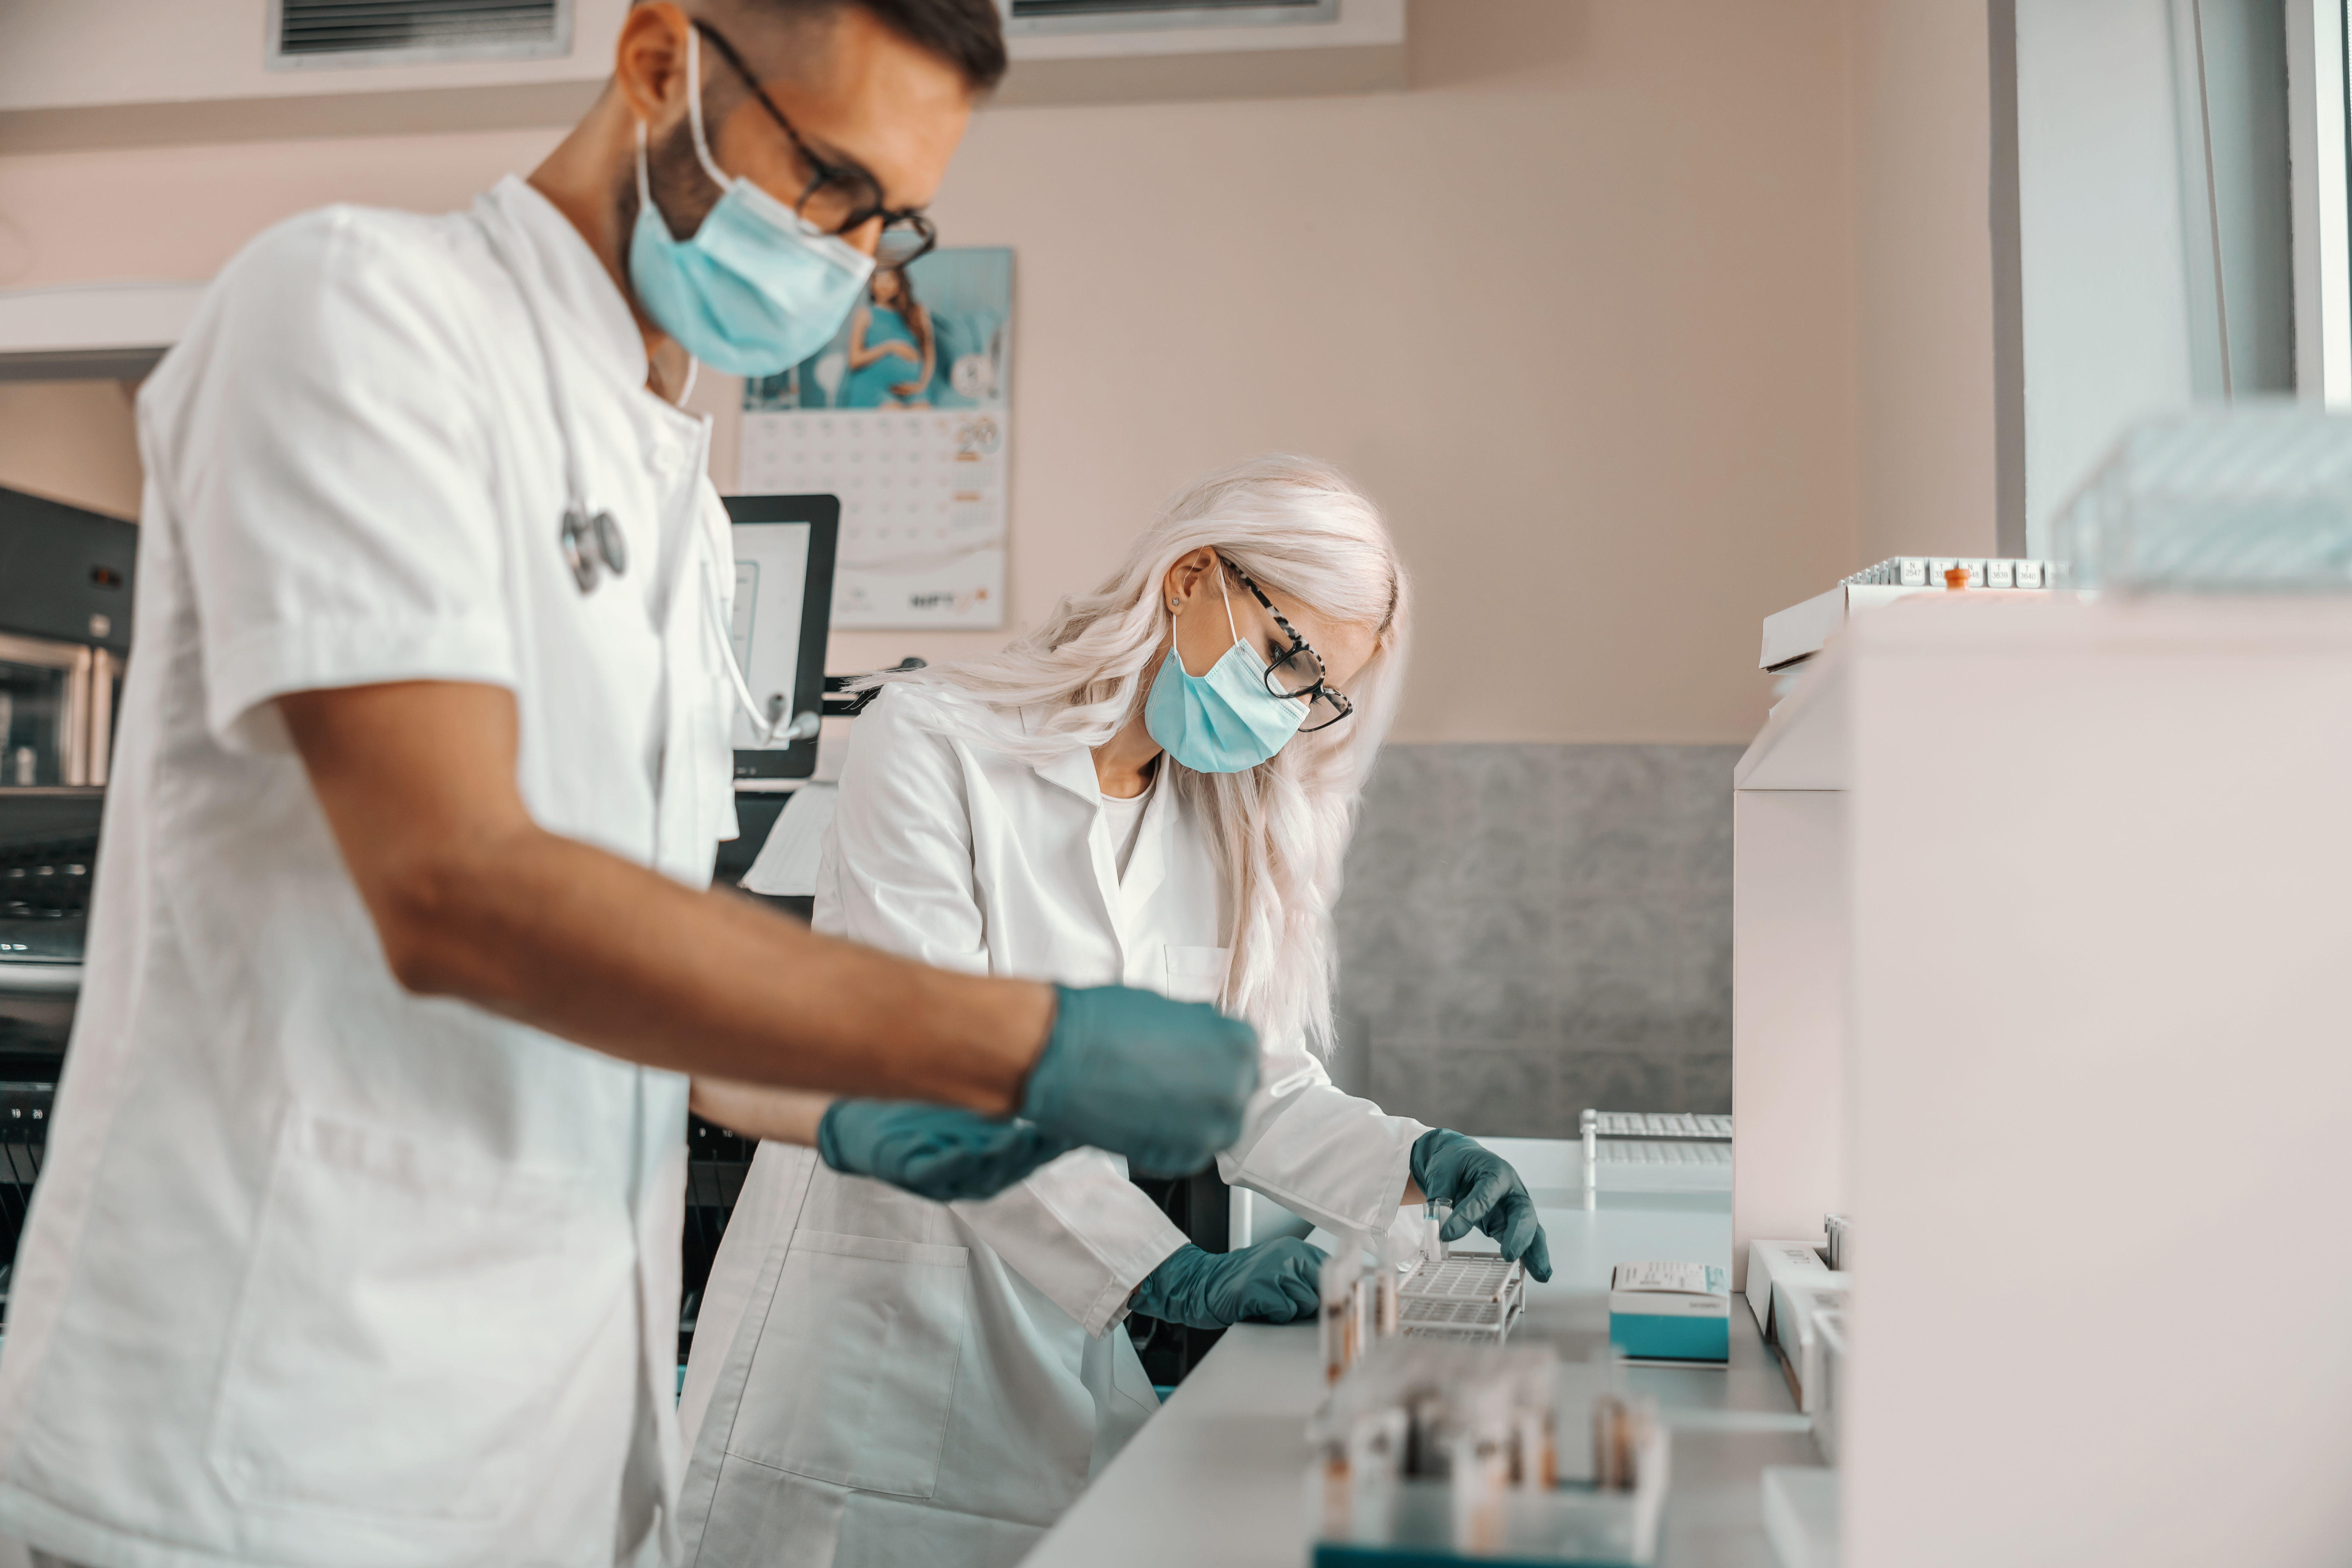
(584, 944)
(473, 899)
(777, 1115)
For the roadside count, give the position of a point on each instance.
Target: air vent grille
(1038, 10)
(1025, 9)
(353, 31)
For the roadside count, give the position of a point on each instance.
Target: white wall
(1576, 308)
(1923, 280)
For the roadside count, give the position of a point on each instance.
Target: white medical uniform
(877, 1379)
(321, 1272)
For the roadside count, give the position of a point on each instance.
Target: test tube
(1481, 1469)
(1613, 1444)
(1535, 1412)
(1535, 1466)
(1337, 1284)
(1339, 1492)
(1433, 1245)
(1621, 1428)
(1388, 1308)
(1375, 1455)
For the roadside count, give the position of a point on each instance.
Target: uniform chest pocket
(1196, 973)
(856, 1365)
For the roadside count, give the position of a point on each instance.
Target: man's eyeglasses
(838, 197)
(1299, 672)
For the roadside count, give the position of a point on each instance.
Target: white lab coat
(321, 1272)
(877, 1379)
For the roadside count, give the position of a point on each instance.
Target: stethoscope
(593, 544)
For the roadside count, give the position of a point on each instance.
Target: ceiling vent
(306, 33)
(1032, 17)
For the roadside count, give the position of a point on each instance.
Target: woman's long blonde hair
(1280, 829)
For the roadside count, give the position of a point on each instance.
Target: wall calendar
(905, 416)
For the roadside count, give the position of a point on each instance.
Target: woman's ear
(1184, 578)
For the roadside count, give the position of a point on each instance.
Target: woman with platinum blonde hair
(1155, 788)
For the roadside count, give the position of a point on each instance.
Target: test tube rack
(1472, 1298)
(1679, 1139)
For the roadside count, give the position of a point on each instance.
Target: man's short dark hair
(967, 34)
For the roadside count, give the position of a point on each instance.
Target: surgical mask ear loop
(646, 198)
(694, 122)
(693, 109)
(1229, 603)
(718, 176)
(645, 186)
(1229, 611)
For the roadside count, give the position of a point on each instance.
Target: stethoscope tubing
(578, 521)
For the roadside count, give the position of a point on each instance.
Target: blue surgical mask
(1226, 721)
(756, 289)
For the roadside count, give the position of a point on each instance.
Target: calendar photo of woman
(936, 333)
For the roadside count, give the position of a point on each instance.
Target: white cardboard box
(1771, 1263)
(1795, 1301)
(1671, 1311)
(1801, 629)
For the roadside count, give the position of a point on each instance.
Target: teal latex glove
(931, 1149)
(1486, 1193)
(1274, 1282)
(1162, 1082)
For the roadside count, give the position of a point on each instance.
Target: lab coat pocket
(387, 1273)
(1196, 973)
(857, 1365)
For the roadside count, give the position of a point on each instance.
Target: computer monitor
(783, 608)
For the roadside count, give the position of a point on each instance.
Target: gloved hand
(932, 1151)
(1161, 1082)
(1485, 1192)
(1274, 1282)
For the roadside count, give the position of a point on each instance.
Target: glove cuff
(1042, 1094)
(1424, 1149)
(1160, 1295)
(828, 1141)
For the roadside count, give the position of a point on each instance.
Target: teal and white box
(1671, 1311)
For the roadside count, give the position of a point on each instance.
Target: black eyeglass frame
(828, 174)
(1298, 645)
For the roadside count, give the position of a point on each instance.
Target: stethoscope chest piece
(592, 545)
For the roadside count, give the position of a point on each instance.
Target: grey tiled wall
(1528, 929)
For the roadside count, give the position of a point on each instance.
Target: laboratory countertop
(1216, 1477)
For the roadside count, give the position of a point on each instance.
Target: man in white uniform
(359, 1238)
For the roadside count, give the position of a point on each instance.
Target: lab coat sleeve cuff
(1080, 1232)
(1400, 1172)
(1333, 1160)
(248, 669)
(1118, 1300)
